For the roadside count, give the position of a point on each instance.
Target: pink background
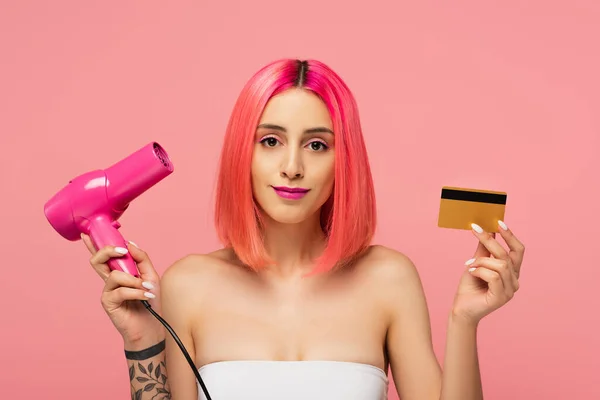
(501, 95)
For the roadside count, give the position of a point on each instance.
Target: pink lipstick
(290, 193)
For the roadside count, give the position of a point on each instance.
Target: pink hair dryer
(93, 202)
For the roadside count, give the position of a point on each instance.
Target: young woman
(298, 304)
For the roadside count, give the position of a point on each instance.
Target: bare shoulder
(393, 279)
(409, 347)
(198, 263)
(195, 274)
(390, 268)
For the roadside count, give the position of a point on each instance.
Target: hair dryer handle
(104, 232)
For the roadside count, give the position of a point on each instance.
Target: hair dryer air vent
(162, 156)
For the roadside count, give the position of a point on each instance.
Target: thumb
(144, 265)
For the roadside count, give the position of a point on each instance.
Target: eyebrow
(320, 129)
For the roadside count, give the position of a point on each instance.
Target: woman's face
(293, 160)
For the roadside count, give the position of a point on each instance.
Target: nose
(292, 166)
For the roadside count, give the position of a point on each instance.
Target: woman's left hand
(491, 278)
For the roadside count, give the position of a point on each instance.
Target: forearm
(461, 377)
(147, 370)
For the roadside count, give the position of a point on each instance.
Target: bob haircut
(348, 218)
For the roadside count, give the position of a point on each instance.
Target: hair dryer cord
(185, 353)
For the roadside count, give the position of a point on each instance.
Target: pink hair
(348, 218)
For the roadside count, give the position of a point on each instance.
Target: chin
(287, 215)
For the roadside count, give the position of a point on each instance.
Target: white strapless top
(293, 380)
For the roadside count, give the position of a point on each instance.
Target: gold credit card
(460, 207)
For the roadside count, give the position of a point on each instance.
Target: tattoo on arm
(148, 373)
(152, 377)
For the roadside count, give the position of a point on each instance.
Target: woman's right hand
(122, 294)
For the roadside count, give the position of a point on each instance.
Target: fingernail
(148, 285)
(150, 295)
(472, 269)
(476, 228)
(469, 262)
(121, 250)
(502, 225)
(134, 244)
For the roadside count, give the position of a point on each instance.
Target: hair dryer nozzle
(132, 176)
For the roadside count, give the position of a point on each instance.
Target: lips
(289, 189)
(290, 193)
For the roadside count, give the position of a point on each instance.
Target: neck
(294, 247)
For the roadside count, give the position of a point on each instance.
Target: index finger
(88, 243)
(489, 242)
(511, 240)
(517, 249)
(144, 265)
(481, 251)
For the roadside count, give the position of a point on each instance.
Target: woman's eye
(318, 146)
(270, 141)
